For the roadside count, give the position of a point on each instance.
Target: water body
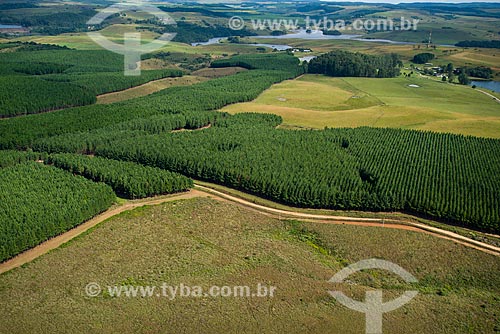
(217, 40)
(316, 35)
(9, 26)
(491, 85)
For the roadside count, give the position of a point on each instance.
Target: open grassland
(318, 101)
(202, 242)
(148, 88)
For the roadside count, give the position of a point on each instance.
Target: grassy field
(205, 242)
(317, 101)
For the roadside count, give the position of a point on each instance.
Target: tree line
(479, 44)
(442, 176)
(127, 179)
(107, 82)
(38, 202)
(12, 158)
(348, 64)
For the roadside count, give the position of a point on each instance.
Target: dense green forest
(89, 142)
(21, 95)
(77, 61)
(482, 72)
(274, 61)
(348, 64)
(423, 58)
(12, 158)
(38, 202)
(106, 82)
(126, 178)
(43, 80)
(439, 175)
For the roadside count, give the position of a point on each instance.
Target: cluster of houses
(300, 50)
(437, 71)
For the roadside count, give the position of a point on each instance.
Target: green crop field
(202, 242)
(353, 102)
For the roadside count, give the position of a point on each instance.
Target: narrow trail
(202, 191)
(490, 95)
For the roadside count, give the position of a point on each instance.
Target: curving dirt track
(387, 223)
(201, 191)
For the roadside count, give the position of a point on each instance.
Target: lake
(313, 35)
(217, 40)
(318, 35)
(9, 26)
(491, 85)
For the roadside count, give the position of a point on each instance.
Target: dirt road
(388, 223)
(490, 95)
(201, 191)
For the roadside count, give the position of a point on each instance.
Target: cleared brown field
(148, 88)
(218, 72)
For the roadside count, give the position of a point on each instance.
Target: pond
(9, 26)
(217, 40)
(318, 35)
(491, 85)
(312, 35)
